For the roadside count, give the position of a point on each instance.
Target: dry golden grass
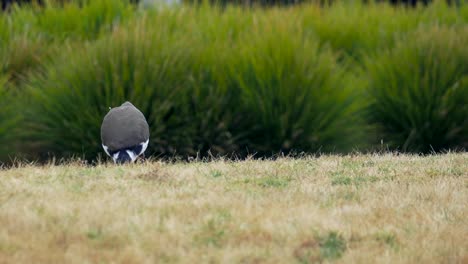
(353, 209)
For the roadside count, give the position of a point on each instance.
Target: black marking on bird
(124, 133)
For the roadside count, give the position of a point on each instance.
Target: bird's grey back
(124, 126)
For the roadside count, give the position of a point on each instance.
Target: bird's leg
(142, 157)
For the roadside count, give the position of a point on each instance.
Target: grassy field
(345, 209)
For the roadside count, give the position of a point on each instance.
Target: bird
(124, 133)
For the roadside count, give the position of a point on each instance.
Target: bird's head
(124, 156)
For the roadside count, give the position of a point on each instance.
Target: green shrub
(233, 80)
(82, 19)
(355, 29)
(30, 34)
(295, 95)
(71, 100)
(9, 118)
(18, 52)
(21, 56)
(419, 91)
(272, 91)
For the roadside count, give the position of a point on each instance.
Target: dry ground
(353, 209)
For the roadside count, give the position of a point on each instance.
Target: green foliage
(82, 19)
(19, 52)
(94, 233)
(216, 174)
(8, 120)
(294, 92)
(31, 35)
(269, 182)
(340, 179)
(135, 66)
(264, 95)
(4, 120)
(355, 29)
(332, 246)
(21, 56)
(214, 231)
(235, 80)
(388, 238)
(419, 91)
(273, 182)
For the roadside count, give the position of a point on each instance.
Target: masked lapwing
(124, 133)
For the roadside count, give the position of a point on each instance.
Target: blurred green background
(314, 77)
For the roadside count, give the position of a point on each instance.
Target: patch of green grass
(340, 179)
(388, 238)
(94, 233)
(216, 174)
(365, 179)
(273, 182)
(9, 247)
(332, 245)
(213, 231)
(341, 196)
(269, 182)
(212, 234)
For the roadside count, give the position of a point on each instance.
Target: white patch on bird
(144, 145)
(106, 149)
(115, 156)
(132, 155)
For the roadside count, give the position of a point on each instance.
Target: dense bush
(358, 30)
(78, 89)
(83, 21)
(21, 56)
(295, 95)
(266, 95)
(231, 79)
(30, 36)
(9, 118)
(420, 91)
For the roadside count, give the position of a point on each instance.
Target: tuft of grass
(211, 234)
(267, 181)
(94, 233)
(332, 245)
(388, 238)
(340, 179)
(213, 231)
(323, 247)
(273, 182)
(216, 174)
(419, 91)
